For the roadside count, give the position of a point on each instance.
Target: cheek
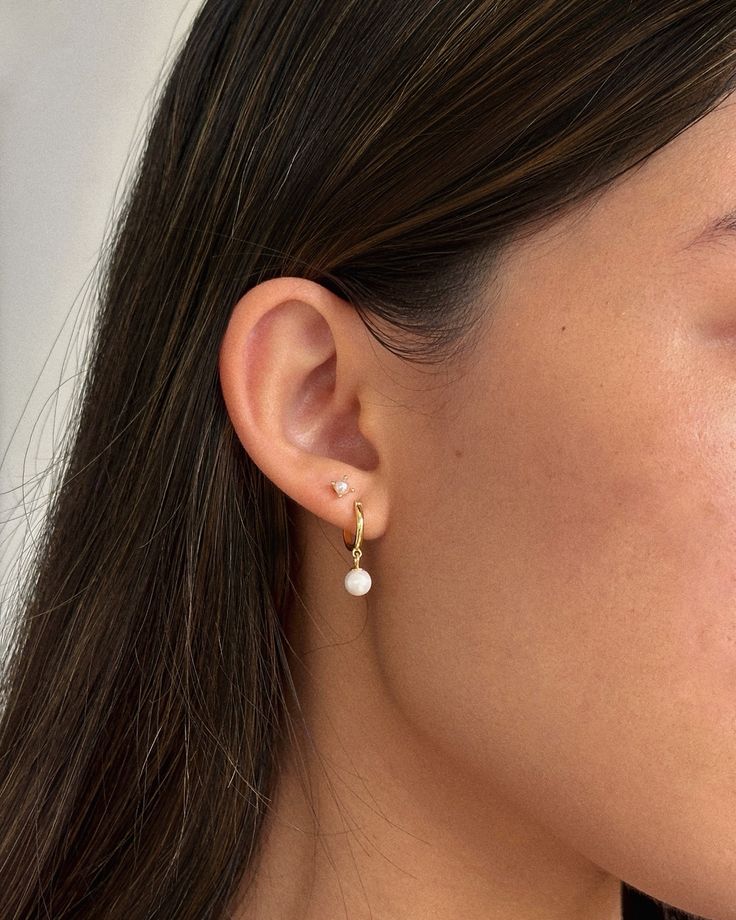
(572, 638)
(610, 633)
(610, 501)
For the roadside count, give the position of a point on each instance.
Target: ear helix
(357, 580)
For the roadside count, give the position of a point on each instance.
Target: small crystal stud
(341, 486)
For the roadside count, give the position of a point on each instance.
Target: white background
(76, 78)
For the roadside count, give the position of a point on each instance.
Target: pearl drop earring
(357, 580)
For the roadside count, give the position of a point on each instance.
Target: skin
(537, 697)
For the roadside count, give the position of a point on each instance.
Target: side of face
(572, 637)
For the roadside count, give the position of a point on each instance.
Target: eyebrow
(719, 226)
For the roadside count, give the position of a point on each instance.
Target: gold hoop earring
(357, 580)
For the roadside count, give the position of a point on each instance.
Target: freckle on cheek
(632, 490)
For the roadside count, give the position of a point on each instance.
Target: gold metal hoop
(350, 543)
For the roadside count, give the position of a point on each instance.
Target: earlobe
(293, 382)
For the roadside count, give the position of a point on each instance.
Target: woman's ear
(295, 366)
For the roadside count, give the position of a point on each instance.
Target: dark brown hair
(386, 149)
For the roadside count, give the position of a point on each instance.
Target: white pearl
(357, 582)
